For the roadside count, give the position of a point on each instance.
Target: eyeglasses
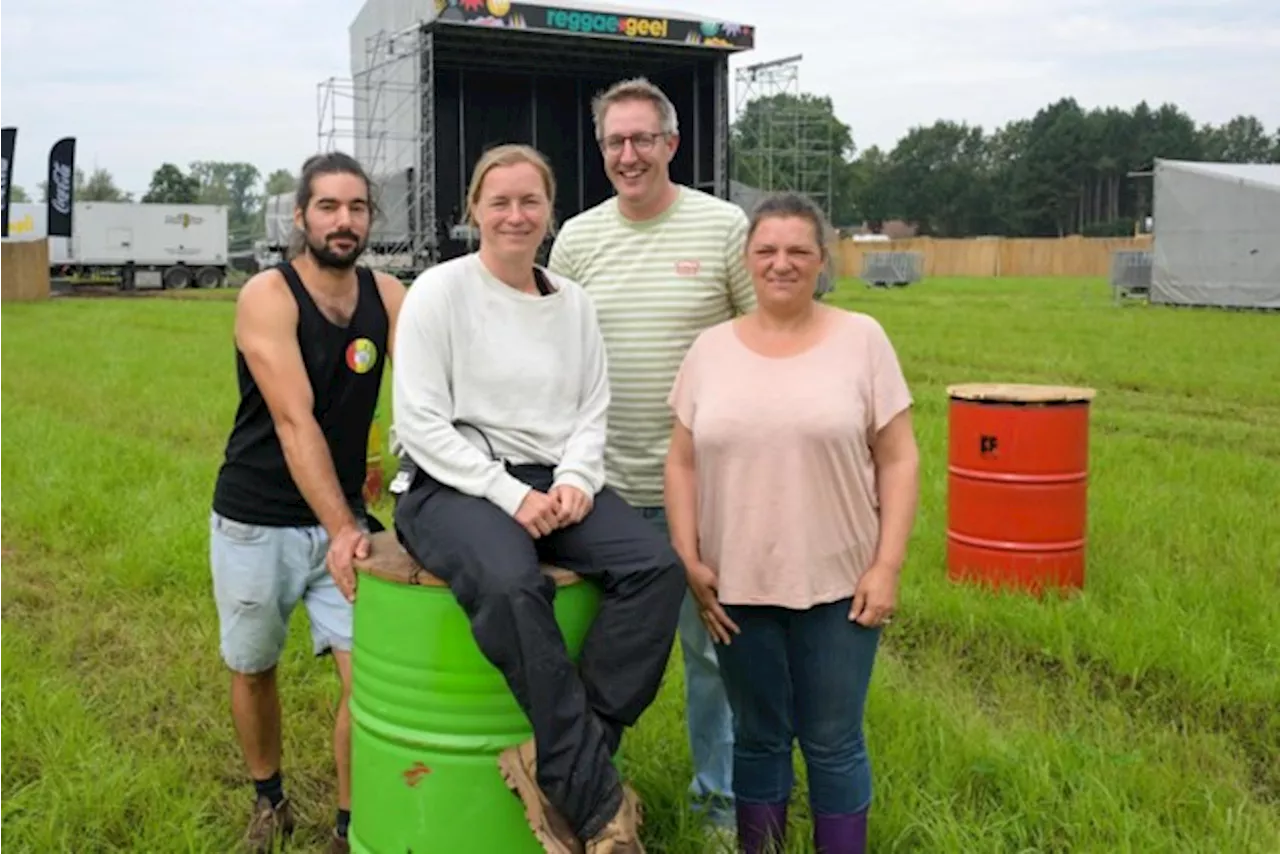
(639, 141)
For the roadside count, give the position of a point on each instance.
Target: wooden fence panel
(986, 257)
(24, 270)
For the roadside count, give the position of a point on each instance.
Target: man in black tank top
(312, 337)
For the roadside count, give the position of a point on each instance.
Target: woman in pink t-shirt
(791, 489)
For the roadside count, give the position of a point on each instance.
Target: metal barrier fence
(899, 269)
(1130, 273)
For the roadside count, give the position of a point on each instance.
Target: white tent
(1217, 234)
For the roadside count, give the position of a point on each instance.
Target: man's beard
(328, 258)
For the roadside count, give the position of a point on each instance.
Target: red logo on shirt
(688, 268)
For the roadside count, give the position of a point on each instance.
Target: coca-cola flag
(8, 137)
(61, 187)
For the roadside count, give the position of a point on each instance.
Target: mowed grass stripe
(1134, 717)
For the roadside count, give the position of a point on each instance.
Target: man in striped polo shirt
(662, 262)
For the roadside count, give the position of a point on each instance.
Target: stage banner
(8, 138)
(604, 23)
(60, 190)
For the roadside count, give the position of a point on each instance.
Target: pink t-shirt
(788, 512)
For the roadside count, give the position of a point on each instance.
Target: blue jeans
(800, 675)
(707, 710)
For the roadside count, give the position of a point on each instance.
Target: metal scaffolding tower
(784, 146)
(383, 116)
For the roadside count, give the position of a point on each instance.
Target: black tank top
(344, 366)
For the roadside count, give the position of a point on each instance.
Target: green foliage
(280, 181)
(169, 185)
(1063, 171)
(233, 185)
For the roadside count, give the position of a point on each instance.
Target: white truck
(151, 245)
(145, 245)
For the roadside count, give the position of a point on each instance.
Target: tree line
(1065, 170)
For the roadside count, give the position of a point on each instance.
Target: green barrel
(430, 715)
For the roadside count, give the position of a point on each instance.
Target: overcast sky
(142, 82)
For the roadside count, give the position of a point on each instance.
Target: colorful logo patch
(362, 355)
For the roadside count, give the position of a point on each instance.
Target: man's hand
(349, 544)
(537, 514)
(705, 586)
(572, 504)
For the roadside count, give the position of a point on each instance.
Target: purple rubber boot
(762, 828)
(840, 834)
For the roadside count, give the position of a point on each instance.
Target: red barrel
(1017, 485)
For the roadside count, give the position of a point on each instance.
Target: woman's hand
(572, 504)
(705, 586)
(537, 514)
(875, 597)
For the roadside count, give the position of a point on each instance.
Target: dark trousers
(492, 566)
(800, 675)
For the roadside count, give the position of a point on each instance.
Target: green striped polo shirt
(656, 284)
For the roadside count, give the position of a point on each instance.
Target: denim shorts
(260, 573)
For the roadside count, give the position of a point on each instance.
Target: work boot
(267, 823)
(840, 834)
(519, 767)
(622, 834)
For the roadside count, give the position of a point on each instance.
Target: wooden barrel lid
(1020, 393)
(389, 561)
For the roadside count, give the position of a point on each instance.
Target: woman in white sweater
(500, 397)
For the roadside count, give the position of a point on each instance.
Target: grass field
(1140, 716)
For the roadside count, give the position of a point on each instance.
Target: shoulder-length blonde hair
(510, 154)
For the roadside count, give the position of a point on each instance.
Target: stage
(436, 83)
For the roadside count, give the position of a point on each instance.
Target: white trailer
(151, 245)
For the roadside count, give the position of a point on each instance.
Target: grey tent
(1216, 229)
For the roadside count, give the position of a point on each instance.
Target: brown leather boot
(622, 834)
(519, 767)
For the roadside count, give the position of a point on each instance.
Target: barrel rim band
(391, 562)
(1068, 546)
(422, 578)
(1021, 394)
(1013, 477)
